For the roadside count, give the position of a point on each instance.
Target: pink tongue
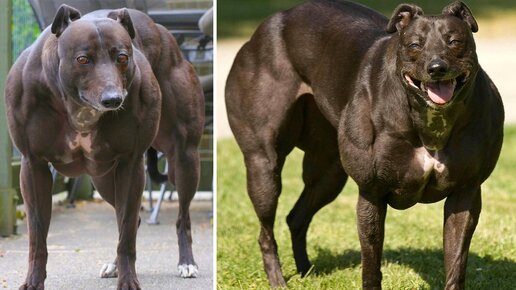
(440, 92)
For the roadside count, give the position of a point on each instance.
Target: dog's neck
(82, 119)
(434, 127)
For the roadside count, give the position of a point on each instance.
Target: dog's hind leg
(179, 135)
(264, 187)
(259, 122)
(186, 163)
(324, 178)
(262, 91)
(184, 172)
(264, 157)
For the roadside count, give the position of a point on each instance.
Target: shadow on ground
(483, 272)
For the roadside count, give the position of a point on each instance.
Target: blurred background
(239, 18)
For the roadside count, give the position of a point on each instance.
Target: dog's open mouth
(439, 92)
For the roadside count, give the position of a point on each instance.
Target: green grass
(413, 242)
(239, 18)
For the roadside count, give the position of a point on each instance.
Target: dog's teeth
(423, 87)
(466, 76)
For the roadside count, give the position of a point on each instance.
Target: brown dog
(90, 96)
(401, 105)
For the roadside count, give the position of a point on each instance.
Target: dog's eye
(83, 59)
(414, 45)
(454, 42)
(122, 58)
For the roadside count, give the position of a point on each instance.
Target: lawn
(413, 242)
(239, 18)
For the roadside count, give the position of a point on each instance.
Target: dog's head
(436, 54)
(96, 64)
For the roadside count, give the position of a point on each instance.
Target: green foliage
(412, 258)
(24, 29)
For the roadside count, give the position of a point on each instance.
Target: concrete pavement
(81, 240)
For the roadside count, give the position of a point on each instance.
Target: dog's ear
(461, 10)
(123, 17)
(402, 16)
(64, 16)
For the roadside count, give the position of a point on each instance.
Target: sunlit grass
(413, 243)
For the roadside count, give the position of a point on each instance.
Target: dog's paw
(32, 287)
(109, 270)
(188, 271)
(131, 285)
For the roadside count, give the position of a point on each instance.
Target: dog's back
(302, 43)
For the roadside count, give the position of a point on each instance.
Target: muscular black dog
(90, 96)
(401, 105)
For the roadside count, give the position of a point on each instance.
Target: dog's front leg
(129, 183)
(461, 213)
(36, 187)
(371, 211)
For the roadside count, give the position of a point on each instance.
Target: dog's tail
(152, 166)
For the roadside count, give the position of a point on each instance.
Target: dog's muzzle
(111, 100)
(439, 92)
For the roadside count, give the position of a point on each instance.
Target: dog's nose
(437, 67)
(111, 100)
